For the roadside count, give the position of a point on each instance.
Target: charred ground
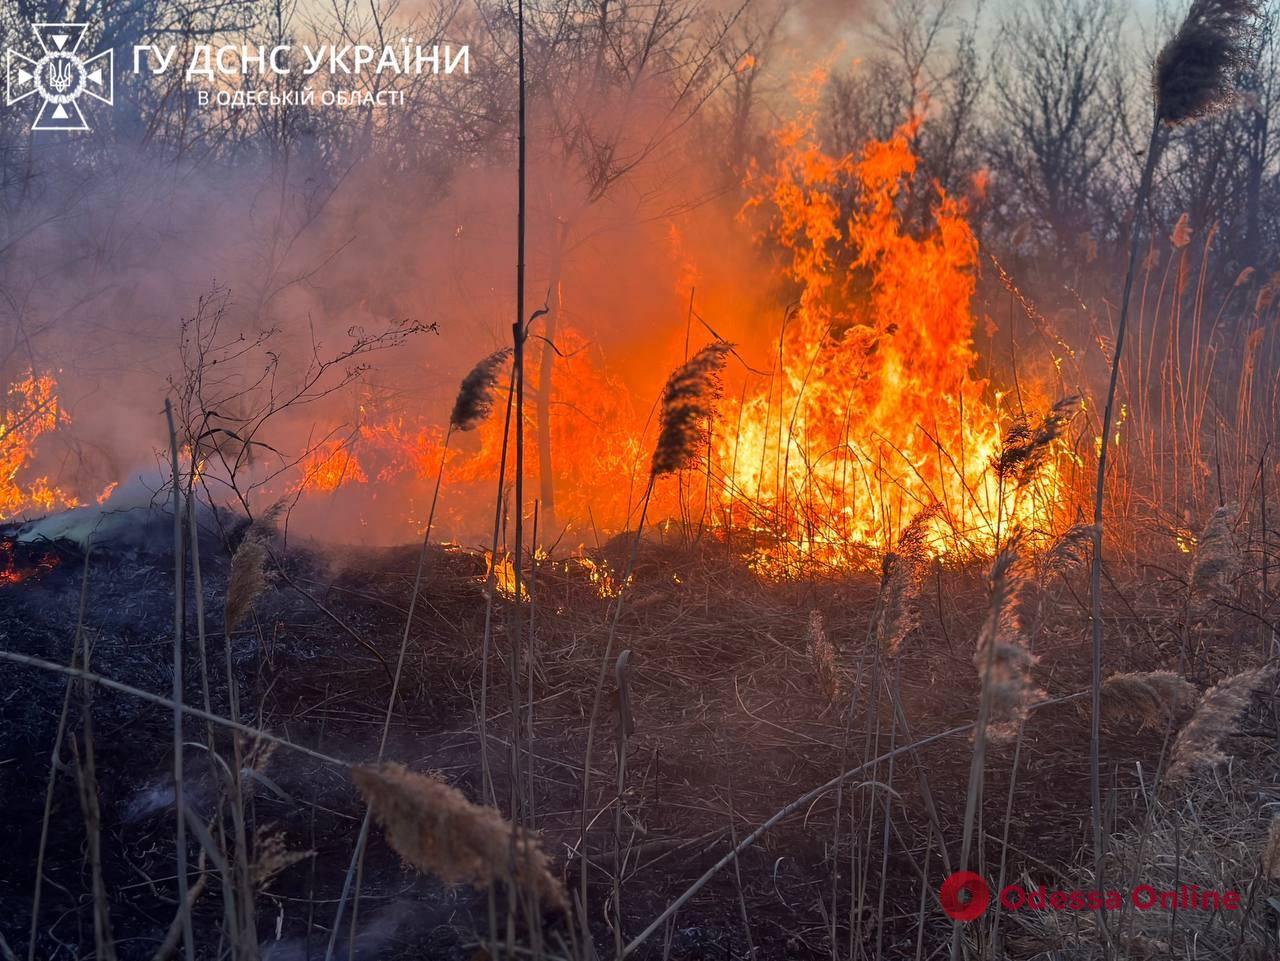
(730, 725)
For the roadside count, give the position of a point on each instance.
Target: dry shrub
(1150, 698)
(822, 657)
(1198, 747)
(437, 830)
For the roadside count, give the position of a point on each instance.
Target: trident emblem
(60, 76)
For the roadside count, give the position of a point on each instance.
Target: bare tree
(922, 62)
(1057, 114)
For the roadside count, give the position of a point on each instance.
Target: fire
(330, 466)
(872, 411)
(12, 571)
(31, 410)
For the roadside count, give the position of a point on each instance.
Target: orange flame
(872, 412)
(31, 410)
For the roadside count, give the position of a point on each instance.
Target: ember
(19, 563)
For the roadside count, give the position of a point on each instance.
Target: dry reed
(1024, 448)
(1196, 72)
(1217, 559)
(901, 574)
(1003, 657)
(1271, 851)
(688, 404)
(822, 657)
(475, 395)
(437, 830)
(246, 581)
(1198, 747)
(1150, 698)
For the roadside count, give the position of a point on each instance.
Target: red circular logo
(964, 896)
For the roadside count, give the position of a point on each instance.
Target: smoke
(633, 243)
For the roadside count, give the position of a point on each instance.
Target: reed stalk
(180, 839)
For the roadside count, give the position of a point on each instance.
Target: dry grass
(1211, 840)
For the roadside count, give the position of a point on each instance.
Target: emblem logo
(60, 77)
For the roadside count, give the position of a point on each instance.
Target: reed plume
(822, 657)
(901, 574)
(1024, 448)
(246, 581)
(1069, 551)
(688, 402)
(438, 831)
(1217, 559)
(271, 856)
(475, 395)
(1195, 74)
(1198, 747)
(1003, 658)
(1149, 698)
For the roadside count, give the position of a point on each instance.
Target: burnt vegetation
(873, 479)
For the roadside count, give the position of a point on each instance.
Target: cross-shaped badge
(60, 77)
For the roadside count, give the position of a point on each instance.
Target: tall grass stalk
(180, 839)
(1154, 147)
(55, 758)
(357, 857)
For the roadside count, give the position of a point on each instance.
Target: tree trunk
(546, 369)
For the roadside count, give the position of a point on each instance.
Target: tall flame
(872, 412)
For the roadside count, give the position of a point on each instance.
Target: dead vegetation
(717, 733)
